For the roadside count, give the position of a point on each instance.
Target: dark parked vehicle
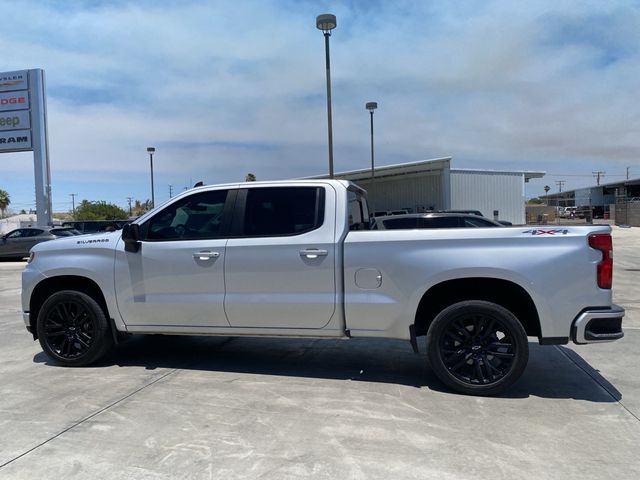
(17, 243)
(432, 220)
(95, 226)
(588, 213)
(584, 212)
(504, 223)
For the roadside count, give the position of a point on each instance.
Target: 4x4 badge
(552, 231)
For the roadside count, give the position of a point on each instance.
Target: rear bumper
(597, 326)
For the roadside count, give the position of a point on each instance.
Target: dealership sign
(14, 81)
(23, 127)
(18, 140)
(15, 112)
(18, 120)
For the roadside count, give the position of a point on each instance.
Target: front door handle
(205, 255)
(313, 253)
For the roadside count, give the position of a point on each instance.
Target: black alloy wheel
(73, 329)
(477, 347)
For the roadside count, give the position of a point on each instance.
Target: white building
(434, 185)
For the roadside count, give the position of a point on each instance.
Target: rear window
(358, 211)
(401, 223)
(62, 232)
(478, 222)
(440, 222)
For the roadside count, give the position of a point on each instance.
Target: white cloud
(225, 88)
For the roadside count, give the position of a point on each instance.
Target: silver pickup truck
(297, 258)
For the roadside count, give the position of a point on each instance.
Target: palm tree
(4, 201)
(250, 177)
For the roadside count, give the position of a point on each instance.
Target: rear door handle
(313, 253)
(205, 255)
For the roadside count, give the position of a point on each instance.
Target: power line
(560, 183)
(581, 174)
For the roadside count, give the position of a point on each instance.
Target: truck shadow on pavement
(552, 372)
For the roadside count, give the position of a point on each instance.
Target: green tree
(250, 177)
(5, 200)
(536, 201)
(99, 211)
(139, 207)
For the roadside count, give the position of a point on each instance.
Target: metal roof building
(597, 195)
(434, 185)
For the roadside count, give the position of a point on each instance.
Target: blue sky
(224, 88)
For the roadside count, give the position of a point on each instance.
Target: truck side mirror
(131, 237)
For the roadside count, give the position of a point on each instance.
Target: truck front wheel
(477, 347)
(73, 329)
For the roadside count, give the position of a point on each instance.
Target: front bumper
(598, 326)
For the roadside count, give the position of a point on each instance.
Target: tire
(477, 347)
(73, 329)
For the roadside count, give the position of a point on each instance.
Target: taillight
(603, 242)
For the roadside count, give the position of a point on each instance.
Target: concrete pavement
(201, 408)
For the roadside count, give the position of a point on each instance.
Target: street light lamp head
(326, 22)
(371, 106)
(151, 149)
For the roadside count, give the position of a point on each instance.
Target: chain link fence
(627, 209)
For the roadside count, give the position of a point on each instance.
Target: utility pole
(597, 175)
(628, 172)
(170, 191)
(560, 183)
(129, 199)
(73, 204)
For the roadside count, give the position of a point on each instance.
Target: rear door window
(278, 211)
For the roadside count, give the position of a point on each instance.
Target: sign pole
(40, 139)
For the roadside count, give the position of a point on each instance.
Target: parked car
(432, 220)
(468, 212)
(401, 211)
(478, 213)
(17, 243)
(379, 213)
(584, 211)
(65, 231)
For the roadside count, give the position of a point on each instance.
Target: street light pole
(327, 22)
(371, 106)
(151, 150)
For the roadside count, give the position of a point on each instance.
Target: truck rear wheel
(73, 329)
(477, 347)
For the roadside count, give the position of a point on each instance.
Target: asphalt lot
(205, 408)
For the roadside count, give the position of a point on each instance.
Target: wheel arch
(499, 291)
(51, 285)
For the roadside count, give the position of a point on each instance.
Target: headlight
(32, 255)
